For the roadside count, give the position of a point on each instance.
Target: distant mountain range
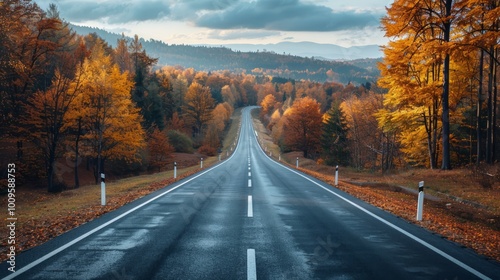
(310, 49)
(305, 60)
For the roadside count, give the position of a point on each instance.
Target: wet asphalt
(247, 218)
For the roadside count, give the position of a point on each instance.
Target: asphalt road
(248, 218)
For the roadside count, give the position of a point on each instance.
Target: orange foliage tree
(268, 104)
(303, 125)
(160, 150)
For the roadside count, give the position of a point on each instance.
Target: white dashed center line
(250, 207)
(251, 265)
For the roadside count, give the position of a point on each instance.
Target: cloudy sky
(345, 23)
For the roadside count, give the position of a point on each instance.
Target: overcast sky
(346, 23)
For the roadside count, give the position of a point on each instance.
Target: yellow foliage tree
(420, 55)
(267, 105)
(414, 99)
(365, 139)
(107, 113)
(198, 106)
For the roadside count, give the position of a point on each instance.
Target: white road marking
(251, 265)
(249, 173)
(250, 207)
(249, 183)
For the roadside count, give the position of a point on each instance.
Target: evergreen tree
(334, 137)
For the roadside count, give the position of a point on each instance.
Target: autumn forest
(78, 100)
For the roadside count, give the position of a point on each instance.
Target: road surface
(250, 218)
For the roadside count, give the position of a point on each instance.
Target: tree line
(261, 62)
(71, 98)
(67, 100)
(435, 104)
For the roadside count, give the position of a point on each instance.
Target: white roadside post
(297, 163)
(175, 170)
(201, 163)
(103, 190)
(279, 158)
(336, 176)
(420, 204)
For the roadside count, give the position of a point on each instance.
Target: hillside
(209, 58)
(310, 49)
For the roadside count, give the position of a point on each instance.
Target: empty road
(250, 218)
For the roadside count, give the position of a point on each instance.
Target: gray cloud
(113, 11)
(189, 9)
(243, 34)
(272, 15)
(286, 15)
(210, 5)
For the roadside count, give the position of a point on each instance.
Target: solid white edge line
(424, 243)
(81, 237)
(251, 265)
(250, 207)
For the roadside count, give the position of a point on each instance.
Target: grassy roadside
(42, 216)
(460, 209)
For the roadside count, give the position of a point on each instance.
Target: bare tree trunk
(489, 123)
(479, 109)
(495, 100)
(446, 164)
(77, 179)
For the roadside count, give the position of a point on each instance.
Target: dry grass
(37, 204)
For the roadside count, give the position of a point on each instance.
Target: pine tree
(334, 140)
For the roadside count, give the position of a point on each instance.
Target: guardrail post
(336, 176)
(103, 189)
(420, 204)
